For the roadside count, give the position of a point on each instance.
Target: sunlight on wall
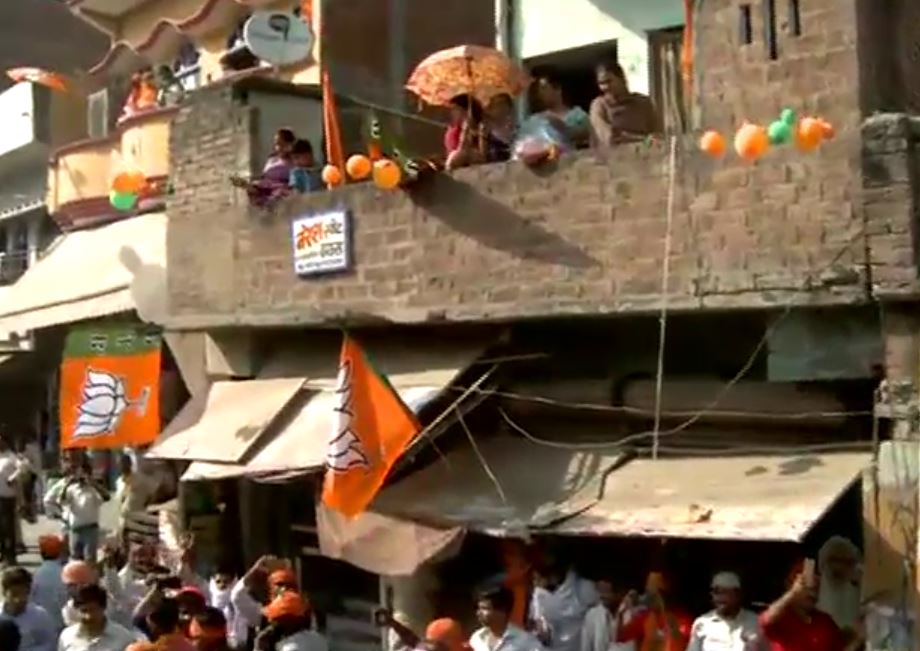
(543, 26)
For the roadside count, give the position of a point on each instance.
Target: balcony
(12, 265)
(80, 174)
(585, 237)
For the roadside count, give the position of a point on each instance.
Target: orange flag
(110, 387)
(371, 430)
(334, 152)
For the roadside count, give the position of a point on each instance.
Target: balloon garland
(126, 188)
(752, 141)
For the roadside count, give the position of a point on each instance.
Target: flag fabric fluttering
(371, 430)
(335, 154)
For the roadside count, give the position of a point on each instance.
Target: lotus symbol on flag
(104, 402)
(345, 450)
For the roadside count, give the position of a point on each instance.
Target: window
(238, 56)
(186, 67)
(667, 83)
(576, 69)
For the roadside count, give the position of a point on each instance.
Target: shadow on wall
(491, 223)
(148, 286)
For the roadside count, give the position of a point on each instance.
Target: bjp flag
(110, 391)
(372, 427)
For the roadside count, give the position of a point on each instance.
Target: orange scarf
(517, 579)
(662, 633)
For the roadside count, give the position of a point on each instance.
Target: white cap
(726, 581)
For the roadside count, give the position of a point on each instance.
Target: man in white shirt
(35, 625)
(560, 601)
(493, 610)
(127, 587)
(600, 630)
(94, 631)
(728, 627)
(10, 468)
(81, 499)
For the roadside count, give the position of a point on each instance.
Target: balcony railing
(80, 174)
(12, 265)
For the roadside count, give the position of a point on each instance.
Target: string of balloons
(752, 140)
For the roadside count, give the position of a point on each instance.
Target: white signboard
(322, 243)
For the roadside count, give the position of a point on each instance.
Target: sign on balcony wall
(322, 243)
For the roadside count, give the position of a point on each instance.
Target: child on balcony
(304, 176)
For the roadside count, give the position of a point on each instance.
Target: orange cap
(79, 573)
(50, 546)
(287, 604)
(447, 631)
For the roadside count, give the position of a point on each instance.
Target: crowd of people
(132, 602)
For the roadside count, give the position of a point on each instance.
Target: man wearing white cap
(728, 627)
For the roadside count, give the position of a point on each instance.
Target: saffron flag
(110, 387)
(335, 154)
(371, 429)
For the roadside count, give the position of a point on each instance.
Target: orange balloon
(751, 142)
(808, 134)
(132, 181)
(827, 129)
(387, 174)
(332, 176)
(358, 167)
(713, 144)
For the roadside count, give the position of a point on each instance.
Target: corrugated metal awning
(298, 445)
(83, 276)
(532, 487)
(559, 491)
(770, 498)
(226, 422)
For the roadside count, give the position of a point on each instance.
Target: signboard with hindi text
(110, 387)
(322, 243)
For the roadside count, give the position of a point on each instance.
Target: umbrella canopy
(482, 72)
(52, 80)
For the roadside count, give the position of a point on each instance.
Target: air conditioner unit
(97, 116)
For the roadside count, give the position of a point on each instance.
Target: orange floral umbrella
(482, 72)
(38, 76)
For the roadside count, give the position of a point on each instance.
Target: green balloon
(122, 200)
(788, 116)
(779, 132)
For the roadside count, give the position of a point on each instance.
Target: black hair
(16, 577)
(499, 597)
(469, 104)
(302, 146)
(91, 594)
(10, 638)
(165, 617)
(613, 67)
(211, 617)
(286, 135)
(549, 75)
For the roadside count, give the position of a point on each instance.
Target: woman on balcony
(276, 174)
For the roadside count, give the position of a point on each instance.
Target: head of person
(610, 593)
(224, 578)
(141, 557)
(15, 585)
(838, 561)
(611, 80)
(90, 602)
(288, 612)
(658, 584)
(493, 608)
(302, 153)
(551, 573)
(806, 596)
(208, 630)
(549, 90)
(191, 602)
(501, 107)
(445, 634)
(281, 581)
(283, 142)
(77, 574)
(10, 637)
(50, 547)
(164, 618)
(726, 593)
(125, 465)
(464, 107)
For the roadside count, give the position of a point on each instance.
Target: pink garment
(452, 138)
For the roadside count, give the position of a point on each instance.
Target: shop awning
(223, 424)
(558, 491)
(298, 445)
(531, 486)
(86, 274)
(768, 498)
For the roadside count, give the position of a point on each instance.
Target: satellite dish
(278, 37)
